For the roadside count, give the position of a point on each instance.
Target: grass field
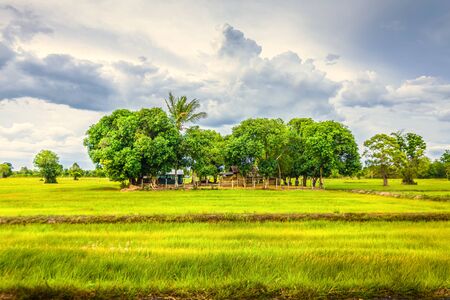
(231, 259)
(224, 259)
(88, 196)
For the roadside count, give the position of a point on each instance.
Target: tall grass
(94, 196)
(230, 259)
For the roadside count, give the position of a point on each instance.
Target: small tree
(5, 170)
(383, 152)
(48, 164)
(75, 171)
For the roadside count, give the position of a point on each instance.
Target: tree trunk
(313, 182)
(305, 180)
(176, 177)
(321, 178)
(245, 181)
(265, 182)
(296, 181)
(385, 179)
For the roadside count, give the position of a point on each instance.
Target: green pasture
(395, 185)
(230, 259)
(99, 196)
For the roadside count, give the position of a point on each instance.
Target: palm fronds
(183, 111)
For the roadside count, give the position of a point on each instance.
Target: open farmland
(228, 260)
(98, 196)
(227, 257)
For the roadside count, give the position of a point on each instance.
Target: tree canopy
(6, 170)
(383, 152)
(48, 164)
(131, 145)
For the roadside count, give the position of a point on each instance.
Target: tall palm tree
(182, 111)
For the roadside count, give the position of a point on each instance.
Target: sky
(376, 66)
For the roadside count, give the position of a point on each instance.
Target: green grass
(94, 196)
(212, 243)
(230, 259)
(395, 185)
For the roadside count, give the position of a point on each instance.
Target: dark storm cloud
(59, 79)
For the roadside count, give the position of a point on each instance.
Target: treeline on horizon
(128, 146)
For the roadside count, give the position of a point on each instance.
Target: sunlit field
(230, 260)
(93, 196)
(226, 258)
(423, 185)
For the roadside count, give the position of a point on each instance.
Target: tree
(329, 145)
(383, 152)
(242, 152)
(48, 164)
(24, 171)
(413, 147)
(203, 152)
(445, 159)
(130, 145)
(295, 161)
(269, 139)
(6, 170)
(75, 171)
(182, 111)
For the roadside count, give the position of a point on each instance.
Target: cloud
(6, 54)
(23, 25)
(364, 91)
(234, 44)
(332, 59)
(30, 125)
(60, 79)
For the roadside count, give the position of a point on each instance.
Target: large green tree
(130, 145)
(295, 162)
(242, 152)
(413, 146)
(48, 164)
(204, 153)
(383, 152)
(181, 112)
(329, 145)
(268, 137)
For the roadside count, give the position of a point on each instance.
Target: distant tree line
(133, 145)
(130, 146)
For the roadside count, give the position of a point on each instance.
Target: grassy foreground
(98, 196)
(86, 239)
(229, 260)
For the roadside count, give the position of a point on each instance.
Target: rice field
(154, 248)
(228, 260)
(98, 196)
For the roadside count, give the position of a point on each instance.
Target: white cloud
(30, 125)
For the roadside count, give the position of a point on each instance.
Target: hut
(169, 177)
